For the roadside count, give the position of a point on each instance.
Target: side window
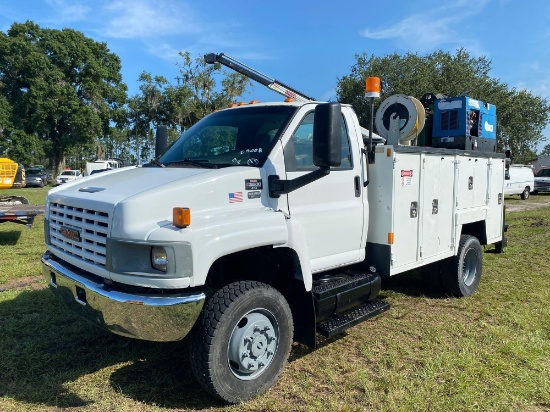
(299, 151)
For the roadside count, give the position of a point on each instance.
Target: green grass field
(489, 352)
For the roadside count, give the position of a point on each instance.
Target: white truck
(264, 224)
(101, 166)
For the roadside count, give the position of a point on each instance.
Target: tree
(145, 114)
(197, 94)
(545, 151)
(521, 116)
(63, 87)
(200, 89)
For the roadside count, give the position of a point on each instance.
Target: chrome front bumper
(159, 318)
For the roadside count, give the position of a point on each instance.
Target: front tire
(241, 341)
(462, 272)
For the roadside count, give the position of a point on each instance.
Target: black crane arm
(261, 78)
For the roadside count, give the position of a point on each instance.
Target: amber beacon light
(372, 88)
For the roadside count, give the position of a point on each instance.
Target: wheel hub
(252, 344)
(469, 268)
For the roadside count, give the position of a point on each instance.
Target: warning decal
(406, 177)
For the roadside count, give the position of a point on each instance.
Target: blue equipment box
(464, 123)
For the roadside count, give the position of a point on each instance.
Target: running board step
(338, 323)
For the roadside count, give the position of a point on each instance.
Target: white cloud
(431, 29)
(165, 51)
(69, 10)
(148, 19)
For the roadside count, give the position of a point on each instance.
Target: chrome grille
(92, 226)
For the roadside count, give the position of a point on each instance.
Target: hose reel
(400, 119)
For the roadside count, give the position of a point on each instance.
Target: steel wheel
(469, 269)
(253, 344)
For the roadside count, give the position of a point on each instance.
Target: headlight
(159, 258)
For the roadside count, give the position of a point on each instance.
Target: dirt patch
(27, 283)
(533, 203)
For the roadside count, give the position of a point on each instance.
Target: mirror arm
(278, 187)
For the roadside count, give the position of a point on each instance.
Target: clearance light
(181, 217)
(372, 88)
(388, 152)
(242, 104)
(290, 100)
(254, 101)
(233, 105)
(390, 238)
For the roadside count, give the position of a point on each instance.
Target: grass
(489, 352)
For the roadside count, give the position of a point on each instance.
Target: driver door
(330, 210)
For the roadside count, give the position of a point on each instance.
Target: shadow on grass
(46, 349)
(10, 238)
(409, 283)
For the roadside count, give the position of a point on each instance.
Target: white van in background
(519, 180)
(101, 166)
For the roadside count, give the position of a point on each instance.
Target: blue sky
(306, 44)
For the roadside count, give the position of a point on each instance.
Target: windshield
(233, 137)
(544, 173)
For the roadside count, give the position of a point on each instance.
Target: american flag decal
(235, 197)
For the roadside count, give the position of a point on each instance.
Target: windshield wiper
(154, 162)
(195, 162)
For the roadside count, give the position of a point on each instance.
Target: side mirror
(161, 141)
(327, 135)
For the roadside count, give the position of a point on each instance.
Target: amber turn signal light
(181, 217)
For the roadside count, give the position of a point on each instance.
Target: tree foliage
(63, 87)
(199, 82)
(197, 93)
(545, 151)
(521, 116)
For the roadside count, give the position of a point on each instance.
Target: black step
(338, 323)
(341, 282)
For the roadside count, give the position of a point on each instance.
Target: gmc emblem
(70, 233)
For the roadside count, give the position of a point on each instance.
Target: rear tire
(462, 273)
(525, 194)
(241, 341)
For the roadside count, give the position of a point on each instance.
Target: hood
(141, 199)
(114, 186)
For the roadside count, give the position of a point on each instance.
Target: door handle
(357, 181)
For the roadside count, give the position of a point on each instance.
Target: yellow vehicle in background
(12, 174)
(15, 209)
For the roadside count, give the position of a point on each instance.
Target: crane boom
(261, 78)
(267, 81)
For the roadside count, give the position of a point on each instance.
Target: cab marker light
(181, 217)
